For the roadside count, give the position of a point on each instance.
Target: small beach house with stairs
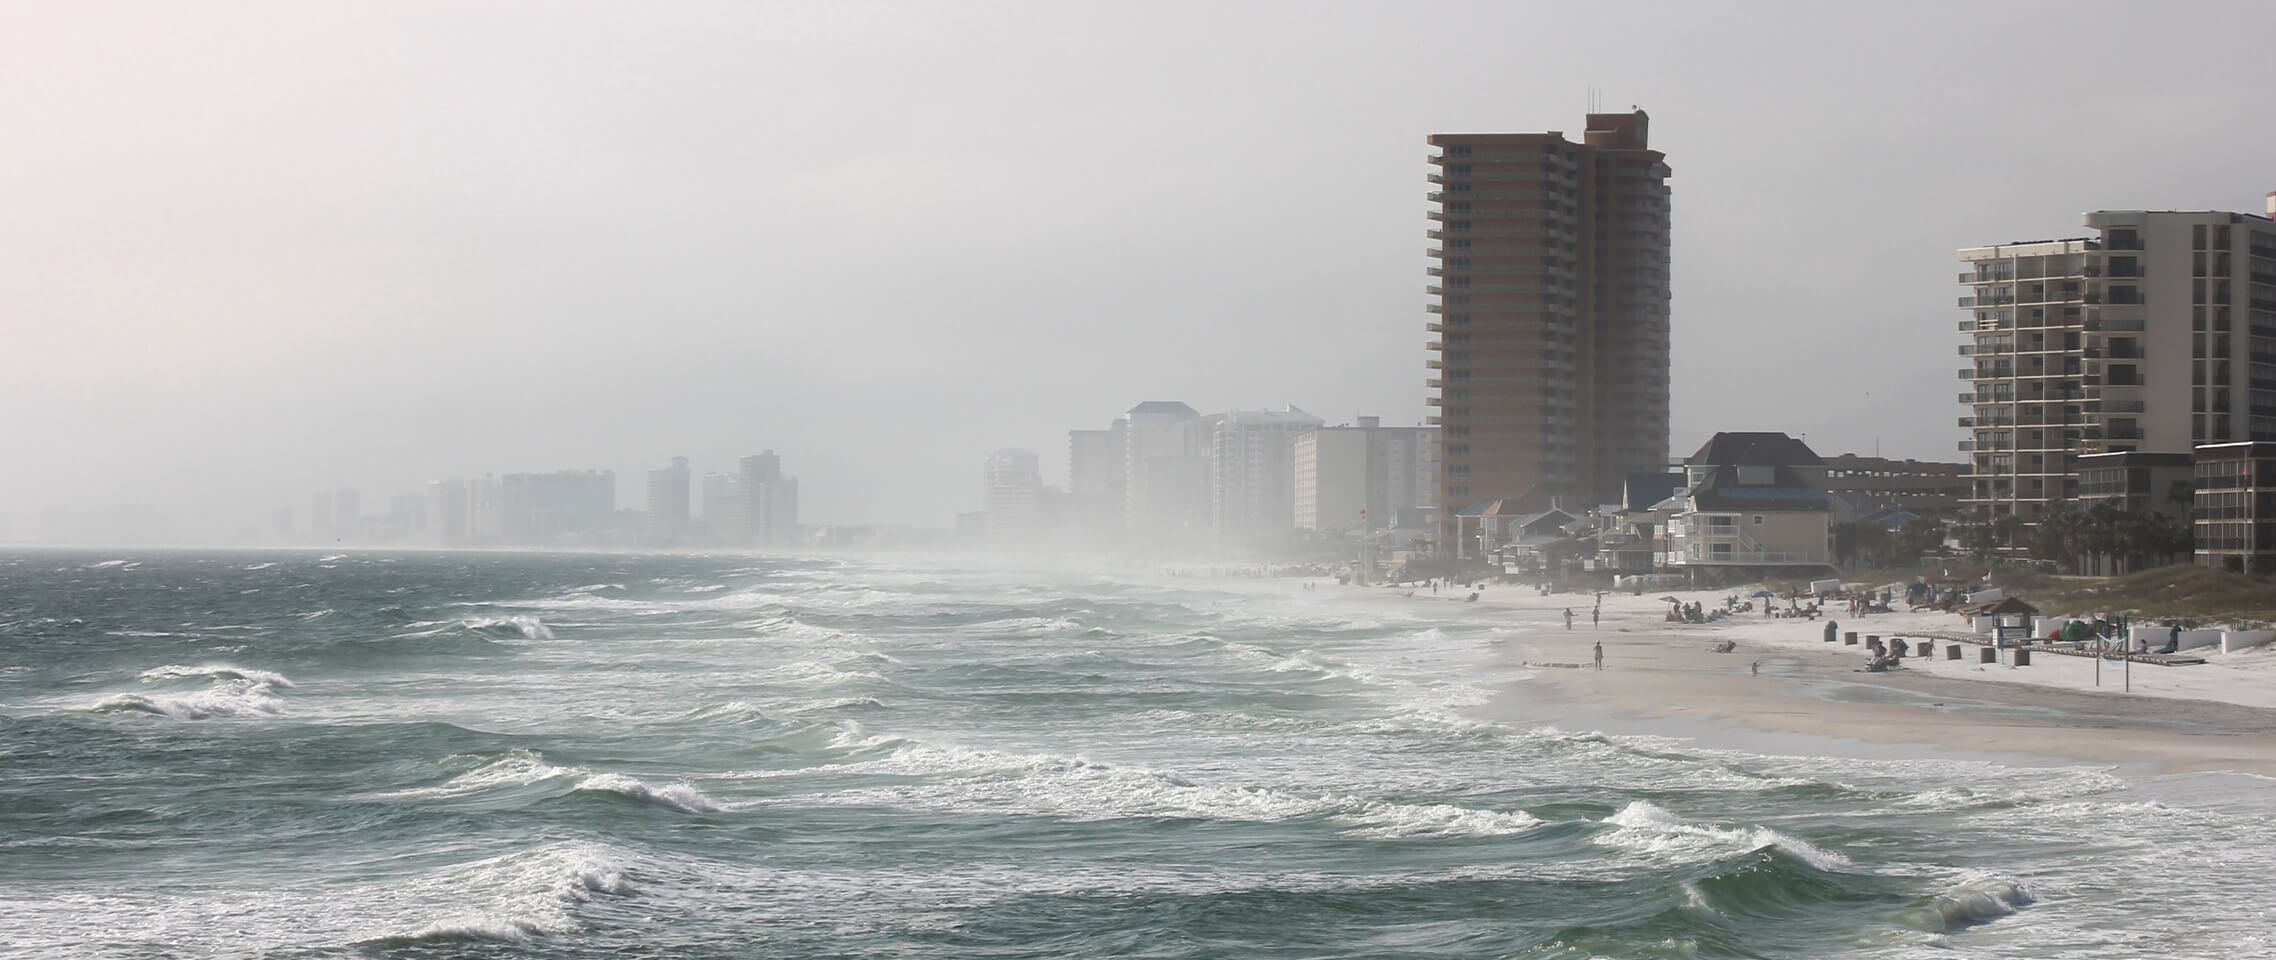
(1751, 500)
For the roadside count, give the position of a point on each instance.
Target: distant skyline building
(561, 508)
(1340, 471)
(768, 500)
(1096, 494)
(447, 504)
(1550, 320)
(1011, 495)
(347, 515)
(1251, 470)
(668, 506)
(1923, 487)
(320, 529)
(2155, 334)
(722, 509)
(406, 518)
(1165, 474)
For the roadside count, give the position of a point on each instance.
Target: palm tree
(2055, 539)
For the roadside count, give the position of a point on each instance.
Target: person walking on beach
(1568, 618)
(1600, 654)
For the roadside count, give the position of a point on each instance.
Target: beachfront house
(1751, 501)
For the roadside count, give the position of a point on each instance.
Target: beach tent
(2004, 607)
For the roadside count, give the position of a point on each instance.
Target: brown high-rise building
(1551, 326)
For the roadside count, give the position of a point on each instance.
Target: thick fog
(252, 251)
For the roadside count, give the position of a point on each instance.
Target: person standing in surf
(1600, 654)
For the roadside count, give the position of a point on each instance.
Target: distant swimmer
(1568, 618)
(1600, 654)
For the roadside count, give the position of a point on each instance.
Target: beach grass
(2185, 591)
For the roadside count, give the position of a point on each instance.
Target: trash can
(1925, 649)
(1952, 651)
(2023, 656)
(1987, 655)
(1850, 638)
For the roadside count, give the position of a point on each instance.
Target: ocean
(300, 755)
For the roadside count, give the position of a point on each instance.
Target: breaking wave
(522, 626)
(1980, 899)
(1644, 827)
(519, 771)
(233, 692)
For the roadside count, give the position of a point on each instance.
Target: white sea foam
(1079, 789)
(1399, 820)
(526, 627)
(216, 671)
(521, 768)
(109, 564)
(677, 796)
(1646, 828)
(837, 703)
(515, 898)
(516, 768)
(733, 711)
(233, 692)
(814, 673)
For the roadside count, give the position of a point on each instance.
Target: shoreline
(1661, 679)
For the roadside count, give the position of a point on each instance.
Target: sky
(253, 250)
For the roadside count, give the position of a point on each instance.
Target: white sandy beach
(2216, 716)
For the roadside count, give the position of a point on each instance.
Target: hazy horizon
(253, 251)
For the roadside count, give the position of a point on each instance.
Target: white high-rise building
(722, 508)
(1341, 471)
(1095, 481)
(668, 513)
(2155, 334)
(1165, 473)
(769, 501)
(1251, 470)
(1011, 488)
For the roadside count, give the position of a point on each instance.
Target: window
(1758, 519)
(1757, 475)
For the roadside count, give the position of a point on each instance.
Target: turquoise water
(430, 755)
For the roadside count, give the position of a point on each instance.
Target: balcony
(1434, 345)
(1435, 327)
(1966, 302)
(1966, 422)
(1435, 363)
